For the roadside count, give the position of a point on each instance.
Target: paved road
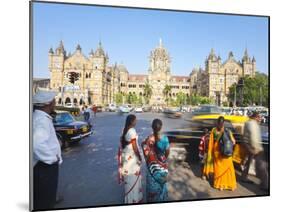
(88, 175)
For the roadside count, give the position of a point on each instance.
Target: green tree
(166, 91)
(118, 98)
(147, 92)
(140, 102)
(255, 91)
(181, 99)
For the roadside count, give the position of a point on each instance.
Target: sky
(128, 35)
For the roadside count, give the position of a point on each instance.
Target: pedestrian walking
(130, 162)
(156, 149)
(95, 110)
(203, 151)
(86, 114)
(254, 150)
(217, 162)
(46, 152)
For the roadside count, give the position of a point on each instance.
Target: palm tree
(147, 92)
(166, 91)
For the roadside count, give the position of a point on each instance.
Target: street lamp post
(234, 101)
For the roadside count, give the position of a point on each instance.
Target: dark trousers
(246, 169)
(261, 168)
(45, 185)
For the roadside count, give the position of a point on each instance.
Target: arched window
(86, 75)
(75, 101)
(59, 102)
(81, 102)
(67, 100)
(140, 93)
(89, 75)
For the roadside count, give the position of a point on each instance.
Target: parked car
(70, 105)
(146, 108)
(138, 109)
(69, 130)
(131, 108)
(111, 108)
(124, 109)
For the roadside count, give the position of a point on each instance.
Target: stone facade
(218, 76)
(99, 81)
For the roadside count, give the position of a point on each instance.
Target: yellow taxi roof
(231, 118)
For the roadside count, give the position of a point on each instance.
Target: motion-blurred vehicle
(146, 108)
(172, 112)
(185, 142)
(138, 109)
(207, 109)
(69, 130)
(131, 108)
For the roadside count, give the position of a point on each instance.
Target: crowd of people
(215, 151)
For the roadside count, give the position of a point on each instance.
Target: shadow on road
(183, 184)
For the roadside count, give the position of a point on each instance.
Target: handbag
(226, 144)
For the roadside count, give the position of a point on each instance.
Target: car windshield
(209, 109)
(63, 118)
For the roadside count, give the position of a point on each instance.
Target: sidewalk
(185, 183)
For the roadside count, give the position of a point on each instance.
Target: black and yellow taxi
(68, 129)
(186, 140)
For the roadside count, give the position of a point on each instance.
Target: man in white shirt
(253, 142)
(46, 151)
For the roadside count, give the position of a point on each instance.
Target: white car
(138, 109)
(69, 105)
(124, 109)
(112, 107)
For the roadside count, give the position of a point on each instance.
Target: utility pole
(260, 96)
(234, 102)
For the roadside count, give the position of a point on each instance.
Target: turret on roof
(99, 52)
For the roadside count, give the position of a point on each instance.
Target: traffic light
(73, 77)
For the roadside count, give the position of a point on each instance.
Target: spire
(254, 59)
(246, 52)
(60, 49)
(91, 52)
(230, 55)
(160, 42)
(246, 57)
(78, 47)
(99, 52)
(212, 55)
(61, 45)
(51, 51)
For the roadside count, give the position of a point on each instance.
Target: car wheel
(63, 144)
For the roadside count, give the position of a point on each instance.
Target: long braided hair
(156, 126)
(128, 124)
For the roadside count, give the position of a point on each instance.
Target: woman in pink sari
(130, 162)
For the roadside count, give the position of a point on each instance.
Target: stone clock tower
(159, 73)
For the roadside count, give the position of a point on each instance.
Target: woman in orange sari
(217, 164)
